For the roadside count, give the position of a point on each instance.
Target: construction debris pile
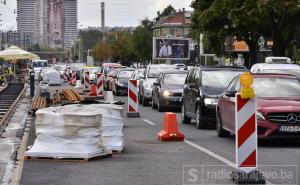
(38, 103)
(67, 96)
(78, 131)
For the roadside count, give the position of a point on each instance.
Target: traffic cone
(170, 132)
(93, 90)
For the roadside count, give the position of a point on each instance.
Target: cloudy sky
(118, 12)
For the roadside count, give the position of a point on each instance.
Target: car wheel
(154, 106)
(184, 118)
(200, 124)
(219, 127)
(160, 108)
(140, 99)
(144, 102)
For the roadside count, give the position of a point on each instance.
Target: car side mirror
(192, 85)
(156, 83)
(230, 93)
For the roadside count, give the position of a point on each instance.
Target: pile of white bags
(78, 131)
(51, 76)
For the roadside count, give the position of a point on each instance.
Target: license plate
(289, 128)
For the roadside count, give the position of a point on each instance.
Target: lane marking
(208, 152)
(149, 122)
(216, 156)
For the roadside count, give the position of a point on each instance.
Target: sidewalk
(10, 139)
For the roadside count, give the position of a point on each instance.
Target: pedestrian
(2, 79)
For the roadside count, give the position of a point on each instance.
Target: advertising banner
(171, 48)
(55, 17)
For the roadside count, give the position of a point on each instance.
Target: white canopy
(15, 53)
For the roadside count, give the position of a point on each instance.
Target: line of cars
(207, 95)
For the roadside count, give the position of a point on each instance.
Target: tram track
(9, 97)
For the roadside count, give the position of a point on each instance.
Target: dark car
(202, 88)
(120, 81)
(167, 90)
(278, 106)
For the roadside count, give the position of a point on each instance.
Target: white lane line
(214, 155)
(149, 122)
(220, 158)
(202, 149)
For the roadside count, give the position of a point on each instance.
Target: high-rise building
(56, 22)
(26, 16)
(70, 23)
(41, 19)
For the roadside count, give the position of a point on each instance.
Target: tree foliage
(126, 47)
(101, 52)
(168, 10)
(142, 41)
(247, 20)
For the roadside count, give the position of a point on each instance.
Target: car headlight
(120, 84)
(166, 93)
(260, 116)
(210, 101)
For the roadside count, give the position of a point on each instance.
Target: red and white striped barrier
(133, 102)
(87, 83)
(100, 83)
(73, 78)
(246, 133)
(65, 76)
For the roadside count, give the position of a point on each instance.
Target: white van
(37, 65)
(277, 65)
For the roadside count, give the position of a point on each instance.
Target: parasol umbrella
(14, 53)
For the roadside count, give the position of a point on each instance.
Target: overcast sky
(118, 12)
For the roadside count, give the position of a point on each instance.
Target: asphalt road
(149, 161)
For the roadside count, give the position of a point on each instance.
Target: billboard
(171, 48)
(56, 27)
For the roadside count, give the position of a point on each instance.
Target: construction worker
(2, 79)
(10, 72)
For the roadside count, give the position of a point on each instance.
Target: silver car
(146, 83)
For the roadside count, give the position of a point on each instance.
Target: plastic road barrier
(133, 102)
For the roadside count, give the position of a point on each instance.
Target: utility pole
(79, 53)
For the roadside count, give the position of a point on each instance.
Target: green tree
(247, 20)
(142, 41)
(283, 20)
(101, 52)
(168, 10)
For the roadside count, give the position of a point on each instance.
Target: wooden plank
(33, 158)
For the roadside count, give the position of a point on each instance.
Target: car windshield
(93, 70)
(276, 87)
(154, 73)
(218, 79)
(174, 79)
(294, 72)
(125, 74)
(40, 64)
(215, 82)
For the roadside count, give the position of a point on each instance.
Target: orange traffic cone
(93, 90)
(170, 132)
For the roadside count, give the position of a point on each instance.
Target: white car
(292, 69)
